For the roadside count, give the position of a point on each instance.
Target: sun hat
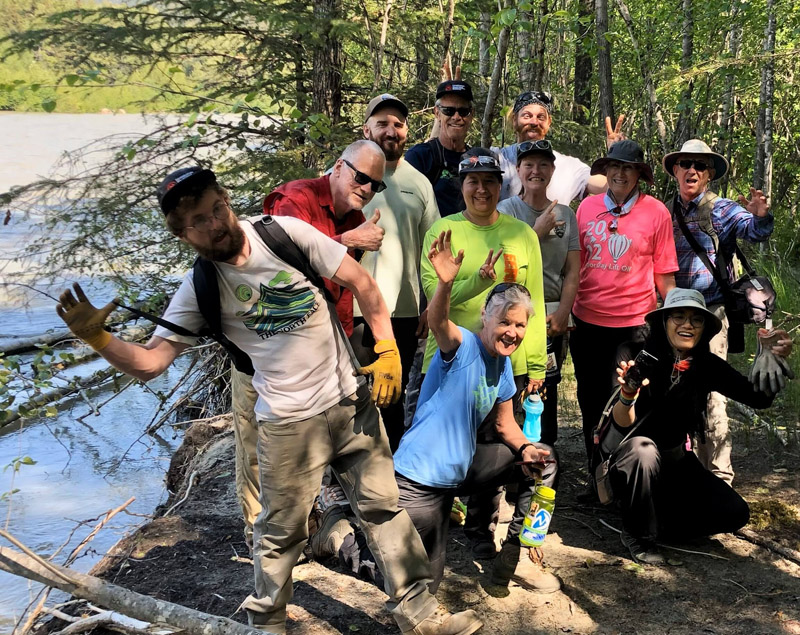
(169, 191)
(385, 101)
(696, 146)
(625, 151)
(457, 87)
(540, 146)
(678, 298)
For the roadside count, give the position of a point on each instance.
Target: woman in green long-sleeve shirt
(477, 230)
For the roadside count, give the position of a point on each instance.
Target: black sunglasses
(540, 144)
(505, 286)
(363, 179)
(533, 97)
(449, 111)
(700, 166)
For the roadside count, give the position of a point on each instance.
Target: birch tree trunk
(327, 84)
(524, 53)
(382, 45)
(582, 89)
(605, 81)
(685, 129)
(538, 52)
(494, 84)
(655, 107)
(762, 172)
(448, 32)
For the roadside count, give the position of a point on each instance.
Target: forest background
(271, 91)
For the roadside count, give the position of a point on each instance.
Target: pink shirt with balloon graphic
(617, 287)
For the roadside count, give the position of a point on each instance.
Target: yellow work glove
(386, 373)
(83, 319)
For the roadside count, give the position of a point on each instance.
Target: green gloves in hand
(386, 373)
(83, 319)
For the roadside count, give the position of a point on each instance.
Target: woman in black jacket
(661, 486)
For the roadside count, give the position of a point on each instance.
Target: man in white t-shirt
(531, 119)
(407, 211)
(311, 410)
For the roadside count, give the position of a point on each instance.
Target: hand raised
(83, 319)
(487, 268)
(547, 221)
(757, 204)
(614, 134)
(441, 256)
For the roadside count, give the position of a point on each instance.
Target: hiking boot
(331, 495)
(525, 566)
(333, 528)
(642, 550)
(484, 550)
(443, 622)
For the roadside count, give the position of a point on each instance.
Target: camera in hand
(642, 368)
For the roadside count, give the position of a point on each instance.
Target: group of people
(471, 263)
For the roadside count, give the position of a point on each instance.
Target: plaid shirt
(731, 221)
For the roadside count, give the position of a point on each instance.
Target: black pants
(594, 356)
(550, 412)
(363, 342)
(429, 507)
(673, 499)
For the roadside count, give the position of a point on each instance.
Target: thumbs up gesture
(547, 221)
(367, 236)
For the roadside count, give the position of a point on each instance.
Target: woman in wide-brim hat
(661, 486)
(627, 251)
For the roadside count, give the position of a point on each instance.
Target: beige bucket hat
(696, 146)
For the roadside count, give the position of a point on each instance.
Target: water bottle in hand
(532, 429)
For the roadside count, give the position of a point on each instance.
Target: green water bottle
(537, 520)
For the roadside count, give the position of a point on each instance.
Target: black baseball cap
(457, 87)
(169, 191)
(385, 101)
(540, 146)
(479, 160)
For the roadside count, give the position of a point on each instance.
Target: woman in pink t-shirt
(627, 252)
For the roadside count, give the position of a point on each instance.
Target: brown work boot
(333, 528)
(526, 567)
(443, 622)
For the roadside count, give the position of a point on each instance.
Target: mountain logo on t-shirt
(280, 310)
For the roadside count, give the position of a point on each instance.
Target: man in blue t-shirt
(469, 375)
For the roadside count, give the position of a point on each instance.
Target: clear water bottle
(532, 428)
(537, 520)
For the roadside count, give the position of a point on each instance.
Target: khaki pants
(292, 457)
(245, 433)
(715, 453)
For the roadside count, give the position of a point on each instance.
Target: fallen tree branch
(185, 496)
(111, 620)
(786, 552)
(117, 598)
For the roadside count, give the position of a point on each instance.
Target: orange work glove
(83, 319)
(386, 373)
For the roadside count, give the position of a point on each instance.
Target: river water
(78, 474)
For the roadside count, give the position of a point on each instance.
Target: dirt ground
(197, 557)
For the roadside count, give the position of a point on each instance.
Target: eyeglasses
(540, 144)
(505, 286)
(533, 97)
(700, 166)
(204, 223)
(449, 111)
(695, 319)
(363, 179)
(471, 162)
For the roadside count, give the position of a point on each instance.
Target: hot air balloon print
(618, 244)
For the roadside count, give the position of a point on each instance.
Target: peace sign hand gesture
(757, 204)
(444, 264)
(486, 272)
(614, 134)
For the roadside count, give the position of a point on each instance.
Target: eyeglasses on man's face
(204, 223)
(687, 164)
(364, 179)
(449, 111)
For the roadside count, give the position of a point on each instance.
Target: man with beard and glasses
(715, 223)
(311, 409)
(407, 211)
(531, 119)
(438, 158)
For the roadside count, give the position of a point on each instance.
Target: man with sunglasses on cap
(715, 223)
(311, 410)
(407, 208)
(438, 158)
(531, 118)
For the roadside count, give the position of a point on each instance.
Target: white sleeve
(183, 311)
(324, 253)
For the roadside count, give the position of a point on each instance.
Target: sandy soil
(197, 557)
